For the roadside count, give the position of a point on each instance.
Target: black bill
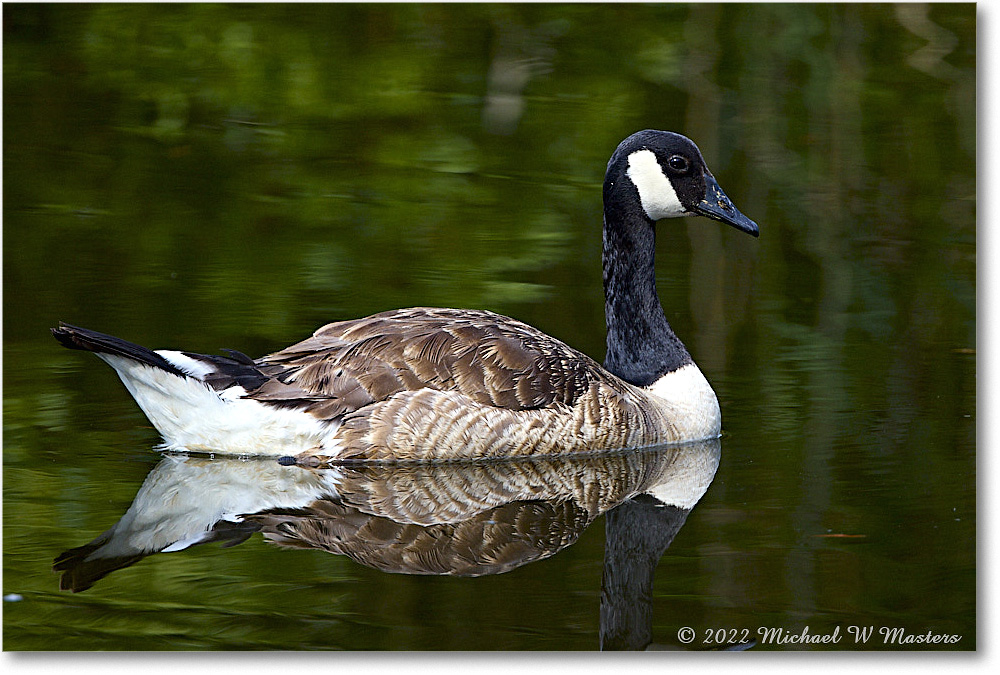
(717, 206)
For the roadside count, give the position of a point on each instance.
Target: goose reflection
(462, 519)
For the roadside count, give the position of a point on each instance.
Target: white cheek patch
(659, 200)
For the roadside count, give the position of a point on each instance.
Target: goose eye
(678, 163)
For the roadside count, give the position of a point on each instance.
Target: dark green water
(216, 176)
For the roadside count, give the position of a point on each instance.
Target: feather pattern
(496, 386)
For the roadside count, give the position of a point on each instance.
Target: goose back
(424, 383)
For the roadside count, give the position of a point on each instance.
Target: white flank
(686, 390)
(658, 197)
(190, 415)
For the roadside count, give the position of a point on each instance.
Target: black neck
(641, 345)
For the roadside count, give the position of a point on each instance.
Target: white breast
(695, 408)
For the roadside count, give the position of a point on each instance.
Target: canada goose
(436, 384)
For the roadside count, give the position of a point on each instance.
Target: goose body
(433, 384)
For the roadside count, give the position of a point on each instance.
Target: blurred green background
(207, 176)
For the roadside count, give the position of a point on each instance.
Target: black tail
(92, 341)
(226, 371)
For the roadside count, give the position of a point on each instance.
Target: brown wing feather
(493, 360)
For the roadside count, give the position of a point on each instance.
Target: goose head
(651, 176)
(661, 174)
